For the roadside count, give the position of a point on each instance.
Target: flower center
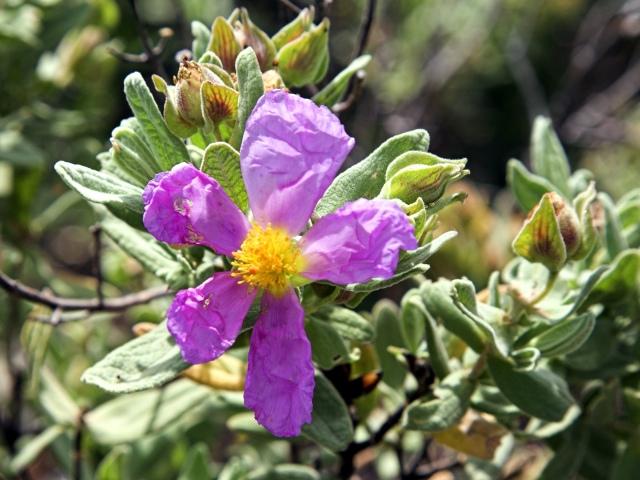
(267, 259)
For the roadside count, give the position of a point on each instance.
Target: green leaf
(627, 465)
(122, 199)
(303, 61)
(540, 239)
(144, 362)
(112, 466)
(132, 155)
(34, 447)
(528, 188)
(347, 323)
(285, 471)
(333, 92)
(438, 355)
(547, 156)
(55, 401)
(389, 334)
(452, 401)
(168, 150)
(201, 38)
(437, 298)
(251, 88)
(196, 465)
(130, 417)
(614, 239)
(222, 162)
(565, 336)
(539, 393)
(412, 320)
(366, 178)
(619, 281)
(151, 254)
(328, 348)
(331, 426)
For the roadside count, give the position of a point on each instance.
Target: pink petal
(206, 320)
(290, 153)
(358, 242)
(280, 381)
(187, 207)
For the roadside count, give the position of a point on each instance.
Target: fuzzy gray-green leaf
(168, 149)
(142, 363)
(222, 162)
(121, 198)
(366, 178)
(331, 426)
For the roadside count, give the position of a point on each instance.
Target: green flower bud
(294, 29)
(305, 59)
(551, 234)
(189, 80)
(251, 36)
(421, 175)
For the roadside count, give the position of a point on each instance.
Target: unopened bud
(189, 80)
(551, 234)
(305, 59)
(421, 175)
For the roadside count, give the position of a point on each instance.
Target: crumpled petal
(206, 320)
(290, 153)
(187, 207)
(280, 377)
(358, 242)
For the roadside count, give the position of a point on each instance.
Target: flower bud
(189, 80)
(421, 175)
(551, 234)
(567, 222)
(251, 36)
(294, 29)
(305, 59)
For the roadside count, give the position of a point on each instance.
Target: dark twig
(152, 54)
(291, 6)
(91, 304)
(425, 377)
(96, 231)
(77, 447)
(366, 28)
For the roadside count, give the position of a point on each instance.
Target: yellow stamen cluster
(267, 259)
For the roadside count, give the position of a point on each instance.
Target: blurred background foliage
(474, 73)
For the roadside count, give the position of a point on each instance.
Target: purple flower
(290, 153)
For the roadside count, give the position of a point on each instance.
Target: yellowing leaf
(475, 435)
(224, 373)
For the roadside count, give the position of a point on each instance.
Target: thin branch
(291, 6)
(598, 107)
(96, 231)
(91, 304)
(152, 53)
(366, 28)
